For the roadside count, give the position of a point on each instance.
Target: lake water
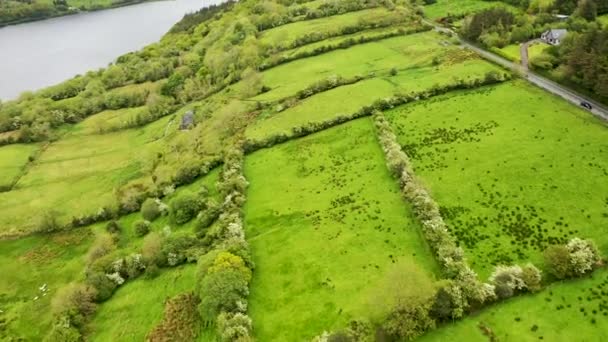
(42, 53)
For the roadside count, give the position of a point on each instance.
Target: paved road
(552, 87)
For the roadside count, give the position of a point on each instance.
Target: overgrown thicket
(224, 273)
(181, 320)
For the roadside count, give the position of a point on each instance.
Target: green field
(326, 223)
(513, 168)
(328, 105)
(75, 168)
(402, 53)
(130, 316)
(603, 19)
(26, 265)
(443, 8)
(567, 311)
(13, 159)
(286, 34)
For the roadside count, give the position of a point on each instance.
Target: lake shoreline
(78, 11)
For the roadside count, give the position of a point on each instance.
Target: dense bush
(113, 227)
(408, 321)
(184, 207)
(234, 327)
(141, 227)
(508, 280)
(576, 258)
(74, 303)
(180, 321)
(150, 209)
(224, 286)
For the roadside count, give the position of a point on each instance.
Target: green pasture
(138, 306)
(77, 175)
(326, 224)
(286, 34)
(513, 168)
(331, 104)
(13, 159)
(575, 310)
(444, 8)
(25, 266)
(415, 50)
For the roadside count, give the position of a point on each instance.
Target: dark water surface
(38, 54)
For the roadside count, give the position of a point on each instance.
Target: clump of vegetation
(180, 321)
(184, 207)
(150, 210)
(574, 259)
(141, 227)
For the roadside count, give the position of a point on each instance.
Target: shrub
(584, 255)
(62, 331)
(206, 217)
(103, 244)
(48, 222)
(150, 210)
(174, 249)
(184, 207)
(234, 327)
(408, 321)
(532, 277)
(224, 287)
(102, 284)
(113, 227)
(576, 258)
(507, 280)
(449, 303)
(141, 227)
(557, 259)
(180, 320)
(75, 301)
(152, 249)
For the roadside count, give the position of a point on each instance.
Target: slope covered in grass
(326, 224)
(514, 169)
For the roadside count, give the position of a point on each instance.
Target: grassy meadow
(26, 265)
(129, 316)
(326, 225)
(77, 175)
(575, 310)
(286, 34)
(513, 168)
(443, 8)
(13, 159)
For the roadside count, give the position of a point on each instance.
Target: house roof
(556, 33)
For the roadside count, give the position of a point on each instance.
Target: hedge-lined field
(327, 228)
(26, 265)
(130, 316)
(575, 310)
(399, 52)
(76, 175)
(513, 168)
(13, 159)
(330, 104)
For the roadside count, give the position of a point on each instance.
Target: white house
(554, 36)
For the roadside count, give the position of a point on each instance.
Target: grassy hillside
(346, 173)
